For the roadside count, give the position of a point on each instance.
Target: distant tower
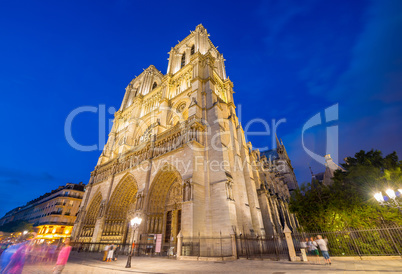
(325, 177)
(312, 174)
(330, 168)
(287, 169)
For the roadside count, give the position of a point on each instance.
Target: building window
(154, 85)
(183, 59)
(192, 49)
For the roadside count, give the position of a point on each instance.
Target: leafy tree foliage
(349, 202)
(17, 226)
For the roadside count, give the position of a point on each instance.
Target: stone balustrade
(169, 140)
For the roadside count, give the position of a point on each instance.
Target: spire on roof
(331, 164)
(200, 27)
(312, 173)
(278, 144)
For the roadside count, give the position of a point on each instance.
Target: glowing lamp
(378, 196)
(390, 193)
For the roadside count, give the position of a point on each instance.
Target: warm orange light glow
(52, 235)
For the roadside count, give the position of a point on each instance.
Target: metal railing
(252, 247)
(358, 242)
(384, 241)
(140, 249)
(220, 246)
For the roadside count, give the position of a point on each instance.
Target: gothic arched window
(183, 59)
(154, 85)
(192, 49)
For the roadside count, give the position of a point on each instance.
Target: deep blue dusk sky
(287, 59)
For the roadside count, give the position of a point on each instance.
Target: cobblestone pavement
(90, 263)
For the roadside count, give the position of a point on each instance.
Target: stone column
(304, 255)
(234, 246)
(268, 219)
(179, 241)
(289, 242)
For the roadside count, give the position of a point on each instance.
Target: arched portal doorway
(120, 208)
(91, 216)
(165, 204)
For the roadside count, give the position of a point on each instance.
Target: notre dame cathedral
(177, 157)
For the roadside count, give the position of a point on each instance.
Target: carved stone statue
(229, 190)
(102, 209)
(187, 191)
(140, 198)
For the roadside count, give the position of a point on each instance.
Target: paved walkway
(90, 263)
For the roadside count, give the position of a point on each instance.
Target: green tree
(16, 226)
(349, 202)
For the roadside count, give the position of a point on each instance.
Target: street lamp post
(392, 197)
(135, 223)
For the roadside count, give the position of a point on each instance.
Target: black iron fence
(252, 247)
(220, 246)
(140, 249)
(385, 241)
(246, 246)
(363, 242)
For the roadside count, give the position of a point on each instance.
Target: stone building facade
(52, 214)
(177, 157)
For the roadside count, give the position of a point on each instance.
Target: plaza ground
(91, 263)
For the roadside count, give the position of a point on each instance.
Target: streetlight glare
(25, 232)
(136, 221)
(378, 196)
(391, 193)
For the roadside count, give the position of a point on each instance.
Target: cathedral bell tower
(177, 157)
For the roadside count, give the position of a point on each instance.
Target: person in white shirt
(110, 254)
(303, 244)
(324, 248)
(312, 248)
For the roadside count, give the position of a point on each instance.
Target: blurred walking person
(17, 261)
(63, 257)
(110, 254)
(105, 251)
(51, 253)
(324, 249)
(116, 253)
(312, 247)
(6, 256)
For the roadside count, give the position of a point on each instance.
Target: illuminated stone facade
(177, 157)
